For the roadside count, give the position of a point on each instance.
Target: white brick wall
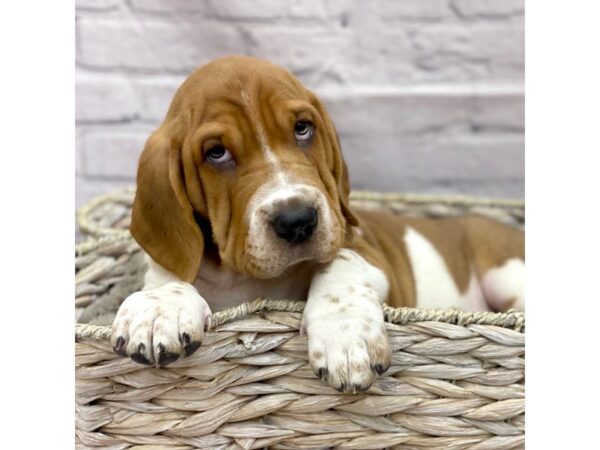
(427, 94)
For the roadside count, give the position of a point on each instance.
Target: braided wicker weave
(456, 379)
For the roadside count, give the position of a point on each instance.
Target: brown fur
(186, 209)
(464, 243)
(176, 187)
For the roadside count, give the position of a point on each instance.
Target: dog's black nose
(296, 225)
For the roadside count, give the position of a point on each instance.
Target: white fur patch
(473, 298)
(166, 317)
(270, 254)
(224, 288)
(265, 251)
(156, 275)
(261, 137)
(343, 319)
(434, 284)
(504, 287)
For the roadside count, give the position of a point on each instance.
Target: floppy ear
(336, 163)
(162, 219)
(340, 172)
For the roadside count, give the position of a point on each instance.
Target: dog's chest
(223, 288)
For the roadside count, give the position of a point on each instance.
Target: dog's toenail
(191, 347)
(141, 359)
(119, 347)
(165, 358)
(323, 373)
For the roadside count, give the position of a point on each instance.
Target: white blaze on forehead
(262, 138)
(266, 251)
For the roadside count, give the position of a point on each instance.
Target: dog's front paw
(157, 326)
(347, 342)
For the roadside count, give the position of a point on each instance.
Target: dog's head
(246, 166)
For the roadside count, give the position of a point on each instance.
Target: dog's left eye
(219, 155)
(303, 130)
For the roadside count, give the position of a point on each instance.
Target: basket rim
(89, 227)
(511, 319)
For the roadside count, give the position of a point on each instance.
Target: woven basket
(456, 379)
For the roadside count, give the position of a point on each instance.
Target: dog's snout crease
(296, 225)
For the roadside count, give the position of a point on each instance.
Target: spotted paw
(347, 343)
(158, 326)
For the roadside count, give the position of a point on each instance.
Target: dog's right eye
(303, 131)
(219, 155)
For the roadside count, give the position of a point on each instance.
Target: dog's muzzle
(296, 225)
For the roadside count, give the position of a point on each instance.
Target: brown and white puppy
(242, 192)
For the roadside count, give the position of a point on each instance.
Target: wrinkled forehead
(247, 104)
(239, 82)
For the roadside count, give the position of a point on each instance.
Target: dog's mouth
(280, 254)
(287, 226)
